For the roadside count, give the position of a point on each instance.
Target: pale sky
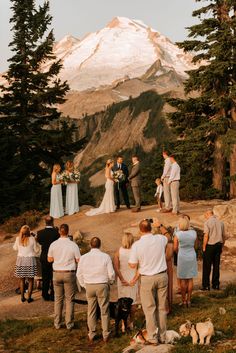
(76, 17)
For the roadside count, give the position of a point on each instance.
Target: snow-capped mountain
(124, 48)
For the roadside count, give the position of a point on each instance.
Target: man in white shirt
(173, 181)
(65, 255)
(95, 273)
(165, 179)
(135, 182)
(149, 254)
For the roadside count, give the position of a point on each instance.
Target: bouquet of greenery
(118, 176)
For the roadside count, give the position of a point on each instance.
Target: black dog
(119, 310)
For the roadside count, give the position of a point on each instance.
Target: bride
(108, 202)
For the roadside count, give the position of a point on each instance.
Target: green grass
(39, 335)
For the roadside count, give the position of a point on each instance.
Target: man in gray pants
(95, 273)
(149, 255)
(64, 254)
(135, 182)
(174, 180)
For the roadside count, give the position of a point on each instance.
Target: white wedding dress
(108, 202)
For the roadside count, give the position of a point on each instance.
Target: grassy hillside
(39, 335)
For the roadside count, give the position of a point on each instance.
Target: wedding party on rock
(117, 176)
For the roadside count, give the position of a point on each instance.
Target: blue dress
(187, 259)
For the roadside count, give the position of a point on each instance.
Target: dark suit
(45, 238)
(121, 186)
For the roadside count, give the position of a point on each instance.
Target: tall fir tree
(206, 120)
(33, 134)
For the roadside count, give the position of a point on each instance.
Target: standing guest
(174, 184)
(165, 179)
(213, 241)
(184, 244)
(158, 194)
(121, 187)
(135, 182)
(64, 254)
(56, 204)
(26, 266)
(149, 254)
(127, 278)
(72, 200)
(95, 273)
(45, 238)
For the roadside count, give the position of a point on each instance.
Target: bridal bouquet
(65, 178)
(118, 176)
(75, 175)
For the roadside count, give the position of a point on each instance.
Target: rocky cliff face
(123, 126)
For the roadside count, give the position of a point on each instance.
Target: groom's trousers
(121, 187)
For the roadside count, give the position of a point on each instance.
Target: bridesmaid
(72, 201)
(56, 204)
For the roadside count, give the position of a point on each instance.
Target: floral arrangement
(75, 175)
(64, 177)
(118, 176)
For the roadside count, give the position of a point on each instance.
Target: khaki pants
(64, 288)
(98, 293)
(167, 195)
(174, 188)
(153, 293)
(137, 198)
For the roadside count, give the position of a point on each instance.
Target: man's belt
(155, 274)
(66, 271)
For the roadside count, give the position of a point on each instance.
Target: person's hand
(124, 283)
(133, 282)
(156, 222)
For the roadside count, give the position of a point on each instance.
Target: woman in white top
(26, 266)
(56, 204)
(108, 202)
(72, 200)
(127, 278)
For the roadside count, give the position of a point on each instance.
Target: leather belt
(174, 181)
(155, 273)
(64, 271)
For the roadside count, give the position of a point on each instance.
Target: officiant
(121, 186)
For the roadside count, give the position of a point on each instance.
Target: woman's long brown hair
(24, 235)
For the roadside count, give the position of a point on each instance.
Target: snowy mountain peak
(124, 22)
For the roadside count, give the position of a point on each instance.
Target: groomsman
(45, 238)
(165, 179)
(121, 187)
(174, 180)
(135, 182)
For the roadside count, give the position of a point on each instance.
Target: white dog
(203, 330)
(141, 337)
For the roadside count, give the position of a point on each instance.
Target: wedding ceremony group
(118, 178)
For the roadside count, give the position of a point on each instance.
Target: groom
(122, 185)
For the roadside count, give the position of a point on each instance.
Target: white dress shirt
(95, 267)
(175, 172)
(167, 168)
(159, 190)
(149, 253)
(65, 254)
(32, 249)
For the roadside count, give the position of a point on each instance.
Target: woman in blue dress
(184, 243)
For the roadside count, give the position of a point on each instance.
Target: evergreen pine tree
(33, 135)
(206, 120)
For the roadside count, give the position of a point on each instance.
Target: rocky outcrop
(226, 211)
